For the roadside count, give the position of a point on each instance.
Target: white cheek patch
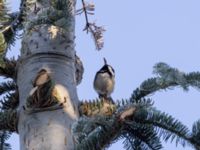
(111, 70)
(105, 75)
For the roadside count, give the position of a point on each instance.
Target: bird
(104, 82)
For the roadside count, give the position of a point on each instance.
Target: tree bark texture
(49, 47)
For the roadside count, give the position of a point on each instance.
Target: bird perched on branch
(104, 81)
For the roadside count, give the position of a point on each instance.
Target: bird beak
(105, 61)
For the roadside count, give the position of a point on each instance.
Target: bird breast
(104, 84)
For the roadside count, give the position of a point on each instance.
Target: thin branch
(85, 12)
(96, 31)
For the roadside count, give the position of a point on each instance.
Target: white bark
(52, 48)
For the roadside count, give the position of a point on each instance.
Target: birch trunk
(49, 47)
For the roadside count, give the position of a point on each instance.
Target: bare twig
(86, 16)
(96, 31)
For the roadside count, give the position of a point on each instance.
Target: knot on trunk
(79, 70)
(44, 95)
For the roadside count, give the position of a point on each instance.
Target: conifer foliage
(135, 120)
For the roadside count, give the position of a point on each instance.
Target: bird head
(107, 68)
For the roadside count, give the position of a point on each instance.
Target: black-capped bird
(104, 81)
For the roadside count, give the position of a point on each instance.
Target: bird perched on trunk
(104, 81)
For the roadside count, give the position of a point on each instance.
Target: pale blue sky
(139, 34)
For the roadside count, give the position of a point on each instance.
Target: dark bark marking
(34, 132)
(36, 45)
(28, 127)
(24, 139)
(65, 140)
(66, 47)
(65, 100)
(62, 42)
(49, 122)
(28, 143)
(40, 34)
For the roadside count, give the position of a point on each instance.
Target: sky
(138, 35)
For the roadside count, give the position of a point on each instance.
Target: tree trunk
(47, 47)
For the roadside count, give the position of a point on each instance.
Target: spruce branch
(8, 120)
(137, 135)
(9, 20)
(7, 86)
(96, 31)
(10, 101)
(140, 136)
(97, 107)
(166, 126)
(95, 133)
(196, 134)
(9, 27)
(98, 132)
(193, 79)
(148, 87)
(136, 119)
(168, 77)
(4, 135)
(8, 68)
(3, 12)
(134, 144)
(196, 131)
(140, 124)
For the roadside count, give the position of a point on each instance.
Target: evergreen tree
(39, 97)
